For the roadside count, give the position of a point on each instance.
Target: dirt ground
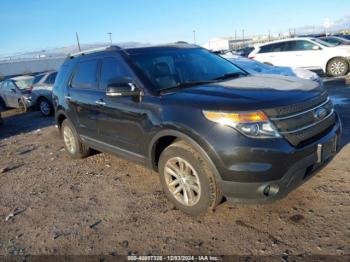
(106, 205)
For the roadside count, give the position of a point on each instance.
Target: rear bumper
(299, 172)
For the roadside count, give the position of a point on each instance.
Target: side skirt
(120, 152)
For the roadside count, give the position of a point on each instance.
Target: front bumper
(296, 174)
(28, 100)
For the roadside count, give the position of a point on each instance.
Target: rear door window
(85, 75)
(277, 47)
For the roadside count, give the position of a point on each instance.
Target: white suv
(310, 53)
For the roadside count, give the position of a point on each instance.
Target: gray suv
(42, 92)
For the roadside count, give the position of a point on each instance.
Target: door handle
(100, 103)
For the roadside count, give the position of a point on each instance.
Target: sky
(32, 25)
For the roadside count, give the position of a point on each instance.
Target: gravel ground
(51, 204)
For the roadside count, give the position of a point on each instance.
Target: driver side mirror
(122, 87)
(316, 47)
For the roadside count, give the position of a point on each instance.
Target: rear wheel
(187, 179)
(337, 67)
(45, 107)
(74, 147)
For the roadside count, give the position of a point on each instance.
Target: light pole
(110, 37)
(194, 36)
(243, 37)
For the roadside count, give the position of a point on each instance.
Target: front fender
(192, 138)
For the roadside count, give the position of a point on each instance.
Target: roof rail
(94, 50)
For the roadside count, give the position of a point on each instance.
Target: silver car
(16, 92)
(42, 92)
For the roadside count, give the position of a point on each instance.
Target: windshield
(323, 43)
(172, 67)
(37, 78)
(24, 84)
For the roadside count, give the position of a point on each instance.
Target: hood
(247, 93)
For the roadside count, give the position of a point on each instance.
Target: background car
(335, 40)
(16, 92)
(256, 67)
(1, 109)
(245, 51)
(344, 36)
(303, 52)
(42, 92)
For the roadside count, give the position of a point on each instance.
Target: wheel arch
(166, 137)
(60, 117)
(41, 97)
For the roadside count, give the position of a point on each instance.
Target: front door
(308, 54)
(120, 119)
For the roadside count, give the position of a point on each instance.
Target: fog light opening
(266, 191)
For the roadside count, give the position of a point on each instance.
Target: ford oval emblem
(320, 113)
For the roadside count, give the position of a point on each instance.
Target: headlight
(251, 124)
(29, 98)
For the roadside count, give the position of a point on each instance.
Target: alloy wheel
(337, 68)
(44, 107)
(182, 181)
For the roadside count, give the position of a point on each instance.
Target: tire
(22, 106)
(74, 147)
(2, 104)
(45, 107)
(208, 194)
(337, 67)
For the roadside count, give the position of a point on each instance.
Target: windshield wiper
(186, 84)
(230, 75)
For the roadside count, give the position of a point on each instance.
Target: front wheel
(72, 144)
(337, 67)
(45, 107)
(187, 179)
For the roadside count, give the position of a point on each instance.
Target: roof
(286, 39)
(21, 78)
(131, 49)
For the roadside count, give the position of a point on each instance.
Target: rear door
(275, 54)
(83, 92)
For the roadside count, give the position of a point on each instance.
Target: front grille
(294, 108)
(300, 127)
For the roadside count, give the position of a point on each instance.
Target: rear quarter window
(62, 76)
(85, 75)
